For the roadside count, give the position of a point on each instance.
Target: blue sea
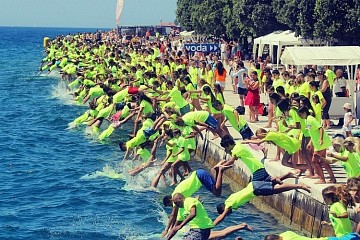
(60, 183)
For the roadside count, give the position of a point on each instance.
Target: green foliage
(322, 19)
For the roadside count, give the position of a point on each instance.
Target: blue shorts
(185, 109)
(206, 179)
(149, 131)
(350, 236)
(261, 175)
(262, 188)
(197, 234)
(211, 121)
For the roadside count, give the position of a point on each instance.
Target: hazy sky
(84, 13)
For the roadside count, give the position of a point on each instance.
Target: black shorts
(242, 91)
(246, 132)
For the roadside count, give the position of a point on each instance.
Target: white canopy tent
(279, 39)
(348, 56)
(323, 56)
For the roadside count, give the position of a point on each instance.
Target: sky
(84, 13)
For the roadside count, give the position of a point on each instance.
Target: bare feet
(321, 181)
(274, 159)
(223, 168)
(173, 183)
(314, 176)
(332, 181)
(292, 175)
(305, 187)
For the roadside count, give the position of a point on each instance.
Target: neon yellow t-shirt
(351, 166)
(314, 129)
(235, 200)
(96, 91)
(289, 144)
(189, 186)
(198, 116)
(289, 235)
(330, 75)
(342, 226)
(245, 155)
(171, 159)
(277, 83)
(144, 154)
(182, 143)
(304, 89)
(176, 97)
(119, 97)
(210, 77)
(228, 112)
(201, 220)
(317, 109)
(147, 107)
(190, 87)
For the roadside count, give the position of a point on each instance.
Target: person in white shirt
(340, 84)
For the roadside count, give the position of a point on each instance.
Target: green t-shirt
(176, 97)
(235, 200)
(190, 87)
(342, 226)
(351, 166)
(314, 129)
(182, 143)
(198, 116)
(119, 97)
(317, 109)
(304, 89)
(147, 107)
(289, 235)
(189, 186)
(96, 91)
(144, 154)
(107, 111)
(330, 75)
(289, 144)
(228, 112)
(277, 83)
(201, 220)
(244, 154)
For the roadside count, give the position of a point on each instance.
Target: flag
(119, 8)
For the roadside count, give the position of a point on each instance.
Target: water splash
(63, 94)
(107, 171)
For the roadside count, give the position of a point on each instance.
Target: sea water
(58, 182)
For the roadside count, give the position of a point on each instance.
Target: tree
(332, 19)
(287, 12)
(306, 19)
(257, 18)
(183, 13)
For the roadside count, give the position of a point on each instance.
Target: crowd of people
(170, 99)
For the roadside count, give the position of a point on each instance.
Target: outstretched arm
(255, 141)
(190, 217)
(172, 220)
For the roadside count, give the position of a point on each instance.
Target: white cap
(347, 106)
